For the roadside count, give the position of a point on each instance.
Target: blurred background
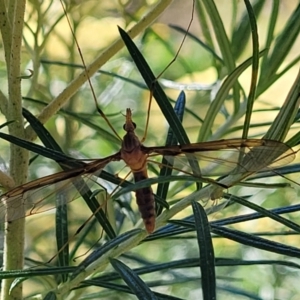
(218, 42)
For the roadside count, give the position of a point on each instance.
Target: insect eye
(134, 126)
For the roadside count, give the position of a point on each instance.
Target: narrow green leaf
(137, 286)
(255, 241)
(286, 116)
(221, 96)
(242, 31)
(155, 88)
(61, 229)
(206, 252)
(102, 250)
(166, 170)
(265, 212)
(254, 74)
(282, 46)
(50, 296)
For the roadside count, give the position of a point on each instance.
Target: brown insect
(234, 156)
(253, 155)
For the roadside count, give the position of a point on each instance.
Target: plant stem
(11, 29)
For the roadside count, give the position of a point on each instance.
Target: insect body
(246, 156)
(136, 159)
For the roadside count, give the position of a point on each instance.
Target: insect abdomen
(145, 201)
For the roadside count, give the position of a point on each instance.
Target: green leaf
(206, 252)
(136, 285)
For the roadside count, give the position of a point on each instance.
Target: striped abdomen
(145, 201)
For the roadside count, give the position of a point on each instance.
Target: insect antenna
(163, 71)
(102, 114)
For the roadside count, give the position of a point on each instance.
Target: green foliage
(240, 73)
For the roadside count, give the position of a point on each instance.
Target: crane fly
(259, 154)
(243, 157)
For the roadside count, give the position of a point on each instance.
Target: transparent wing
(238, 156)
(216, 158)
(40, 195)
